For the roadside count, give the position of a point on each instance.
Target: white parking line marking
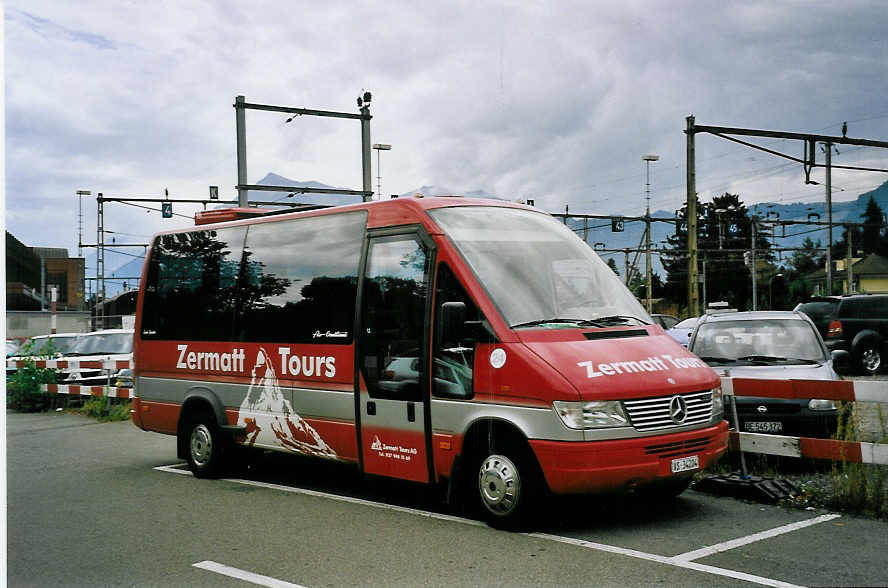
(244, 575)
(734, 543)
(677, 561)
(174, 469)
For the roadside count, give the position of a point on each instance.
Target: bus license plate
(683, 464)
(764, 427)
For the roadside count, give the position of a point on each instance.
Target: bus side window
(454, 353)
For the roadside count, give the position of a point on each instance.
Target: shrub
(24, 389)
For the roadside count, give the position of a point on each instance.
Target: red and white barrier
(848, 390)
(73, 364)
(845, 390)
(850, 451)
(75, 390)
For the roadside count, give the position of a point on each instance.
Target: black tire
(204, 446)
(507, 487)
(663, 491)
(870, 357)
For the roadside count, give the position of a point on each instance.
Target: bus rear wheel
(205, 447)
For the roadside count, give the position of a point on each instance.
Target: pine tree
(727, 277)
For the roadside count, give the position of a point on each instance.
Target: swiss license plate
(683, 464)
(763, 427)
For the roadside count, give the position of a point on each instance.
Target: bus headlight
(718, 403)
(591, 415)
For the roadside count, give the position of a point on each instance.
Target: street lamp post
(380, 147)
(647, 221)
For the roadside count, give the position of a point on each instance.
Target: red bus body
(431, 407)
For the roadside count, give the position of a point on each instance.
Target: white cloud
(552, 101)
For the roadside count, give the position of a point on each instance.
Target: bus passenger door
(392, 356)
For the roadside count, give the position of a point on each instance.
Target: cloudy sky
(555, 101)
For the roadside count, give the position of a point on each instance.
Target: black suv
(821, 310)
(860, 326)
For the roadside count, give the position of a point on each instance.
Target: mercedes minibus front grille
(652, 414)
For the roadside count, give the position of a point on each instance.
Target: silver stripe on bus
(307, 402)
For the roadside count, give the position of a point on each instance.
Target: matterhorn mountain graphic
(269, 417)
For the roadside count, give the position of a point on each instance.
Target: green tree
(613, 265)
(805, 260)
(871, 238)
(717, 234)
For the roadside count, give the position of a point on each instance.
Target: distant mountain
(848, 211)
(273, 179)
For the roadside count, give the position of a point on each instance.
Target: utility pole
(240, 118)
(829, 237)
(754, 271)
(626, 263)
(364, 105)
(100, 263)
(693, 292)
(647, 224)
(850, 260)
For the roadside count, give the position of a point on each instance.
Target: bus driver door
(392, 356)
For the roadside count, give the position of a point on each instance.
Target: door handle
(411, 412)
(371, 407)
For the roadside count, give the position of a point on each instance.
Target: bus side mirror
(841, 361)
(453, 320)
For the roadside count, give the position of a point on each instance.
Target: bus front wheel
(506, 485)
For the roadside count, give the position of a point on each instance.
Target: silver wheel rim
(499, 484)
(872, 359)
(201, 445)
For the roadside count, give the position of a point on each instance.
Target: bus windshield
(537, 271)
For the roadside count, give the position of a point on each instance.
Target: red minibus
(475, 342)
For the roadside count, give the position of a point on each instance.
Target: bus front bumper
(601, 466)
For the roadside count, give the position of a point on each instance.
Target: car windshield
(537, 271)
(757, 342)
(63, 345)
(105, 343)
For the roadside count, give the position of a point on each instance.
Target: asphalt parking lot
(107, 504)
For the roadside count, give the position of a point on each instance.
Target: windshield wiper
(570, 321)
(617, 319)
(775, 358)
(712, 358)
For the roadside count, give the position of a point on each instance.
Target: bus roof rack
(222, 215)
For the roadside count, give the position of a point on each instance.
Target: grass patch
(97, 408)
